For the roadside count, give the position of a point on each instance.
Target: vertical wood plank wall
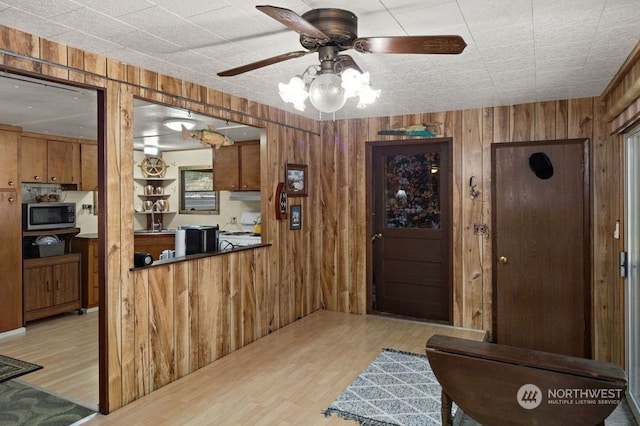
(473, 131)
(166, 322)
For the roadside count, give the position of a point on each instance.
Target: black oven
(36, 216)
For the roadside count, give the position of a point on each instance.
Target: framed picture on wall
(295, 217)
(296, 180)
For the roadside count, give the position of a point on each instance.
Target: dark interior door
(411, 227)
(541, 244)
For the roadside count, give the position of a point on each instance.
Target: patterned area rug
(10, 368)
(397, 388)
(21, 404)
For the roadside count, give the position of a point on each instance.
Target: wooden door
(541, 242)
(33, 160)
(63, 162)
(66, 279)
(411, 229)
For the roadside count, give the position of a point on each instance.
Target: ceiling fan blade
(263, 63)
(439, 44)
(293, 21)
(347, 62)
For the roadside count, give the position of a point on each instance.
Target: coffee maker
(201, 238)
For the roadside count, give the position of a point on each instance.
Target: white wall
(175, 159)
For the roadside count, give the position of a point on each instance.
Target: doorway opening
(632, 287)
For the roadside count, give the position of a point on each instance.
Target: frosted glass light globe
(326, 93)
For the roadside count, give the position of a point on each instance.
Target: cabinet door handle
(11, 183)
(53, 178)
(11, 199)
(36, 177)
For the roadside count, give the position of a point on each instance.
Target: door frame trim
(587, 232)
(369, 202)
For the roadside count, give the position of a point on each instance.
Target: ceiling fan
(330, 31)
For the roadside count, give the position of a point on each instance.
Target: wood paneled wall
(344, 208)
(165, 322)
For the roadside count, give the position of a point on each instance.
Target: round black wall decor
(540, 164)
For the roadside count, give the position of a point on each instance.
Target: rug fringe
(361, 420)
(403, 352)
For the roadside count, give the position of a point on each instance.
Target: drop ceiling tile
(491, 14)
(144, 42)
(564, 35)
(429, 19)
(503, 36)
(92, 22)
(115, 8)
(86, 42)
(187, 8)
(43, 9)
(33, 24)
(621, 16)
(563, 14)
(561, 50)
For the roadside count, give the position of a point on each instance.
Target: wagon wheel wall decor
(153, 167)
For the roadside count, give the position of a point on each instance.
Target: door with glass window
(632, 290)
(411, 229)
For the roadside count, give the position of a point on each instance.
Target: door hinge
(623, 264)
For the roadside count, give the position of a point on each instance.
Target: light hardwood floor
(67, 347)
(287, 377)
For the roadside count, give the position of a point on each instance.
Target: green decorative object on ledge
(428, 130)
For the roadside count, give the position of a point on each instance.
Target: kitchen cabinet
(49, 161)
(88, 167)
(9, 159)
(154, 244)
(88, 248)
(51, 285)
(237, 167)
(10, 232)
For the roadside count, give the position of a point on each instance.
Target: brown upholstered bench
(505, 385)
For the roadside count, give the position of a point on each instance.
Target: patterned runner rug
(10, 368)
(22, 404)
(397, 388)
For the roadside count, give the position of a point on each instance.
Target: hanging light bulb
(326, 93)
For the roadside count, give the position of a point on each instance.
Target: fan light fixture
(177, 123)
(328, 87)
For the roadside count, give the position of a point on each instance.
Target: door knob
(503, 260)
(376, 236)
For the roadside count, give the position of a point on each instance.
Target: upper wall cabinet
(237, 167)
(9, 159)
(89, 167)
(49, 161)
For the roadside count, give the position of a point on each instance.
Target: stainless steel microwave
(36, 216)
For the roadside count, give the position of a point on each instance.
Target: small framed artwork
(295, 217)
(296, 180)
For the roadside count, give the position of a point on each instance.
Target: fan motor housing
(341, 26)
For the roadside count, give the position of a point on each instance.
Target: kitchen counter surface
(199, 256)
(87, 235)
